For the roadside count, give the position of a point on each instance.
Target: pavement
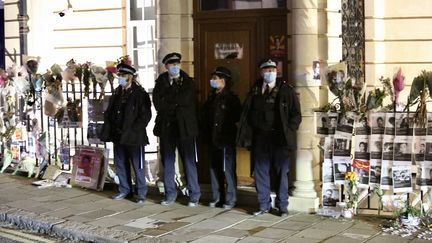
(84, 215)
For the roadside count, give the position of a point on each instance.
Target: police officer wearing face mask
(125, 122)
(219, 116)
(268, 125)
(174, 98)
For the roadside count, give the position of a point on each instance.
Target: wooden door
(238, 41)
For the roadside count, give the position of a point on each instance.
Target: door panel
(228, 46)
(238, 40)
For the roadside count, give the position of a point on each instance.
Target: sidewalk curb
(68, 229)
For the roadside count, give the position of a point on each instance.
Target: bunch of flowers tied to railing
(351, 190)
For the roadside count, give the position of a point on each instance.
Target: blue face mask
(214, 83)
(174, 71)
(122, 81)
(270, 77)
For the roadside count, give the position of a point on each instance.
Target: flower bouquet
(351, 194)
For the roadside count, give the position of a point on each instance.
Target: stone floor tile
(170, 226)
(233, 233)
(359, 233)
(296, 239)
(24, 204)
(77, 218)
(153, 232)
(249, 224)
(335, 226)
(318, 234)
(169, 216)
(133, 214)
(252, 239)
(292, 225)
(107, 222)
(387, 239)
(302, 217)
(215, 238)
(420, 241)
(341, 239)
(62, 213)
(96, 214)
(199, 217)
(143, 223)
(185, 234)
(127, 228)
(273, 233)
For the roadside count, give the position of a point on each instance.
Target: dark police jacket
(218, 118)
(136, 115)
(289, 109)
(175, 104)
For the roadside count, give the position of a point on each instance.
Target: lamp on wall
(67, 10)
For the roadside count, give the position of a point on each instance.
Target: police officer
(270, 118)
(176, 125)
(220, 114)
(125, 122)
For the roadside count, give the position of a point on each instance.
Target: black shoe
(168, 202)
(140, 200)
(260, 212)
(193, 203)
(283, 212)
(229, 205)
(120, 196)
(213, 204)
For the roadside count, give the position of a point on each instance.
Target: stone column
(174, 31)
(303, 22)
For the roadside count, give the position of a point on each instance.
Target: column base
(309, 205)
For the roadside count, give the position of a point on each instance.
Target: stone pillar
(303, 22)
(174, 31)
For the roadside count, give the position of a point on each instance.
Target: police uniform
(268, 125)
(125, 122)
(174, 98)
(220, 114)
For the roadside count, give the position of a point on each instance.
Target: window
(241, 4)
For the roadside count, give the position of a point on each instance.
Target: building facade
(295, 32)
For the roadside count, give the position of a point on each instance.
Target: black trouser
(134, 153)
(223, 168)
(186, 148)
(267, 154)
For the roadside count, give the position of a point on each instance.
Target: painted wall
(90, 31)
(398, 34)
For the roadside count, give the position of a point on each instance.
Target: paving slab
(296, 239)
(186, 234)
(273, 233)
(144, 223)
(252, 239)
(233, 233)
(99, 213)
(216, 238)
(387, 239)
(318, 234)
(292, 225)
(108, 222)
(134, 214)
(335, 226)
(250, 224)
(341, 239)
(170, 226)
(63, 213)
(306, 218)
(127, 229)
(359, 233)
